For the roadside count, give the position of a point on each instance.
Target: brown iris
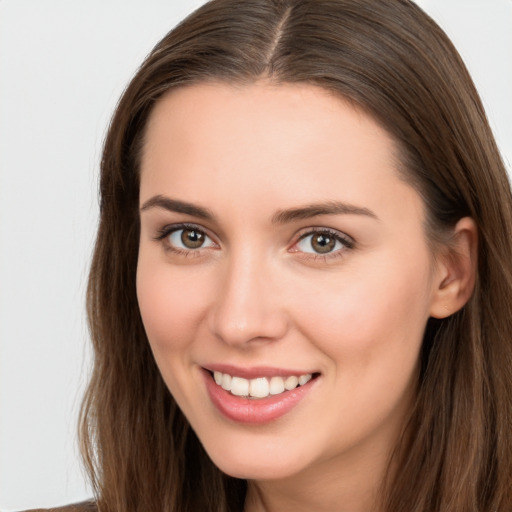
(192, 238)
(323, 243)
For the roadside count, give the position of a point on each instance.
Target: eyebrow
(314, 210)
(173, 205)
(280, 217)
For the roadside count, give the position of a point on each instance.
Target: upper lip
(254, 372)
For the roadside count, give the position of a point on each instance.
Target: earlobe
(456, 271)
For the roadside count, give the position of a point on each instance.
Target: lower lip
(254, 411)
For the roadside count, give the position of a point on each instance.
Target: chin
(256, 471)
(257, 464)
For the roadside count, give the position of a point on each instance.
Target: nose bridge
(247, 306)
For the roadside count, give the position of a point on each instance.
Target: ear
(455, 274)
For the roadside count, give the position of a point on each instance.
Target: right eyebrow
(173, 205)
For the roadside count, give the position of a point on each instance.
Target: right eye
(185, 238)
(189, 238)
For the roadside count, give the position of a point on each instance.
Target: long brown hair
(393, 61)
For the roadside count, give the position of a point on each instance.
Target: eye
(188, 238)
(323, 242)
(185, 238)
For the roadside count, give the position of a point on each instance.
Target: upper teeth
(260, 387)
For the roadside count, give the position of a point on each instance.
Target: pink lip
(254, 411)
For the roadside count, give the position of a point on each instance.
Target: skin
(256, 294)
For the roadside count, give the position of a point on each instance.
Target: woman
(300, 292)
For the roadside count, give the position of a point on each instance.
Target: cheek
(170, 306)
(376, 317)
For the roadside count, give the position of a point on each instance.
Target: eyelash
(346, 241)
(168, 230)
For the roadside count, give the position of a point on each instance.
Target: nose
(249, 306)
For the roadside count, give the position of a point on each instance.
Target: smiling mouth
(263, 395)
(260, 387)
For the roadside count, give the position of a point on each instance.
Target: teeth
(276, 385)
(226, 381)
(260, 387)
(291, 382)
(304, 379)
(239, 386)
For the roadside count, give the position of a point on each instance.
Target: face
(284, 277)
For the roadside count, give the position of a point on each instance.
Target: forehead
(283, 116)
(289, 143)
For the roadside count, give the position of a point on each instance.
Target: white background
(63, 65)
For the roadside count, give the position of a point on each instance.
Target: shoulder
(84, 506)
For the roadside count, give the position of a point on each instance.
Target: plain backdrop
(63, 65)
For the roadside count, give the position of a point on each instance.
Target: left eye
(321, 242)
(189, 239)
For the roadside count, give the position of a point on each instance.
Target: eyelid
(346, 240)
(170, 228)
(166, 231)
(311, 230)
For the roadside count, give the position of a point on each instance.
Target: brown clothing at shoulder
(84, 506)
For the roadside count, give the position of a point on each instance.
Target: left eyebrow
(314, 210)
